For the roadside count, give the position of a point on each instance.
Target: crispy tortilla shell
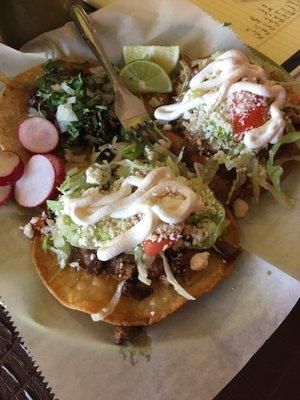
(13, 110)
(79, 290)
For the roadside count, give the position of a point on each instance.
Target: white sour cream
(150, 200)
(218, 80)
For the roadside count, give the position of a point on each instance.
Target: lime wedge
(145, 77)
(165, 56)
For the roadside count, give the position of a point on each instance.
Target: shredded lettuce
(105, 311)
(172, 280)
(55, 206)
(255, 180)
(216, 220)
(47, 242)
(75, 182)
(185, 73)
(132, 151)
(141, 265)
(208, 170)
(173, 165)
(83, 236)
(275, 171)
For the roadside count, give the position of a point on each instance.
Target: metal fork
(129, 109)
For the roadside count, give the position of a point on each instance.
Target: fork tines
(150, 132)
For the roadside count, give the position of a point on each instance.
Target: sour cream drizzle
(93, 206)
(222, 76)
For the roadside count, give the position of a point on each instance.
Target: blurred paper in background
(272, 26)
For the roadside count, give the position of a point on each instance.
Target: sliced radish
(11, 167)
(38, 135)
(5, 194)
(60, 172)
(37, 183)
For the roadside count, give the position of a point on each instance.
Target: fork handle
(87, 30)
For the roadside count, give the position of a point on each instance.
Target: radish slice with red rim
(60, 172)
(59, 167)
(37, 183)
(38, 135)
(5, 194)
(11, 167)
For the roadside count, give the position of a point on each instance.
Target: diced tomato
(153, 248)
(248, 111)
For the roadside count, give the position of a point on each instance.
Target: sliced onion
(171, 279)
(99, 316)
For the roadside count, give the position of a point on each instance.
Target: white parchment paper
(201, 347)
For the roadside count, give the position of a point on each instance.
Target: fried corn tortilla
(80, 290)
(13, 110)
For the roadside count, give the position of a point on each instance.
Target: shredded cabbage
(275, 171)
(99, 316)
(171, 279)
(141, 266)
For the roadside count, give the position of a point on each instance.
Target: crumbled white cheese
(94, 175)
(64, 115)
(75, 264)
(34, 220)
(199, 261)
(28, 230)
(71, 100)
(92, 256)
(240, 208)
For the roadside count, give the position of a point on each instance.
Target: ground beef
(87, 259)
(179, 262)
(49, 114)
(157, 268)
(228, 250)
(123, 333)
(32, 98)
(123, 267)
(136, 289)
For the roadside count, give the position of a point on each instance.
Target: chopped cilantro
(96, 122)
